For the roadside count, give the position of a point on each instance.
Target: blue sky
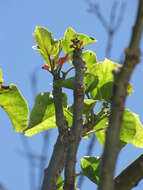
(18, 61)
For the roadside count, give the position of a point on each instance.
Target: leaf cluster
(98, 84)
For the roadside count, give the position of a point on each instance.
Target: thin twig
(33, 156)
(121, 16)
(95, 9)
(111, 28)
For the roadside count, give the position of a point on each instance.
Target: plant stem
(121, 81)
(76, 129)
(57, 161)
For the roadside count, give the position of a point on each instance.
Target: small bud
(46, 67)
(62, 60)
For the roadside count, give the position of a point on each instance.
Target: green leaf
(129, 126)
(68, 116)
(130, 89)
(104, 92)
(137, 140)
(43, 114)
(43, 109)
(67, 83)
(87, 106)
(14, 104)
(69, 35)
(90, 59)
(47, 124)
(100, 128)
(90, 168)
(59, 183)
(1, 79)
(90, 82)
(103, 71)
(46, 45)
(129, 130)
(99, 131)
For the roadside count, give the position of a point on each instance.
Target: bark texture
(121, 81)
(130, 176)
(76, 130)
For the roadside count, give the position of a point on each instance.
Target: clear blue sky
(17, 60)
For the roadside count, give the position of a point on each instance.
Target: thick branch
(121, 80)
(130, 176)
(58, 157)
(55, 166)
(76, 129)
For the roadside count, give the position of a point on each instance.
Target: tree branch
(130, 176)
(95, 9)
(44, 155)
(111, 28)
(76, 129)
(55, 166)
(58, 157)
(121, 80)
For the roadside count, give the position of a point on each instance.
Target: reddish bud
(46, 67)
(62, 60)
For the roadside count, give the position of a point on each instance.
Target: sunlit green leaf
(43, 114)
(130, 89)
(1, 79)
(100, 128)
(131, 128)
(137, 140)
(59, 183)
(90, 59)
(47, 124)
(104, 92)
(43, 109)
(90, 82)
(14, 104)
(69, 35)
(88, 105)
(90, 168)
(46, 45)
(104, 72)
